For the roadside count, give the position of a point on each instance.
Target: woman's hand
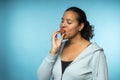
(56, 43)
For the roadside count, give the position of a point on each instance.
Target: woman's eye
(69, 22)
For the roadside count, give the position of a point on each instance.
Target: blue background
(26, 27)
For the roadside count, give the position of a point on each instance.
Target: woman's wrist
(52, 52)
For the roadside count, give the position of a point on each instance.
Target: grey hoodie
(89, 65)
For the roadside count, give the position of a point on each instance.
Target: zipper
(61, 77)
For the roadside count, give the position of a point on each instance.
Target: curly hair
(87, 31)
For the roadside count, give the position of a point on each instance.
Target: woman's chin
(65, 37)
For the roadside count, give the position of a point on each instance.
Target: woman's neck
(76, 40)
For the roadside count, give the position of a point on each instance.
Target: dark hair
(87, 31)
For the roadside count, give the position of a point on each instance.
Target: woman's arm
(45, 70)
(100, 70)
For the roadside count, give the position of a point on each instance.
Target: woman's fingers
(54, 35)
(61, 38)
(55, 41)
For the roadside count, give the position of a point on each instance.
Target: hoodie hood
(88, 51)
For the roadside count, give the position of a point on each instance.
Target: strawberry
(62, 31)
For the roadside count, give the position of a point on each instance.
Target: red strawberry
(62, 31)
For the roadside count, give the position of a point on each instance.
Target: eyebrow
(67, 19)
(62, 18)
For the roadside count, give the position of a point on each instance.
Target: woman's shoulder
(95, 47)
(97, 50)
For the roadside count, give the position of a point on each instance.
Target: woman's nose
(63, 25)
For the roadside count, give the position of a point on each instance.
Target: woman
(76, 58)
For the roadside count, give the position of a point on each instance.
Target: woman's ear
(81, 26)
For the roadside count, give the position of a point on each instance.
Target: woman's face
(70, 24)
